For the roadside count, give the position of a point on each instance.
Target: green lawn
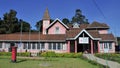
(51, 63)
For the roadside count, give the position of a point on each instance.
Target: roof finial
(46, 15)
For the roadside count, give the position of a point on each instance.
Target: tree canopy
(11, 24)
(79, 18)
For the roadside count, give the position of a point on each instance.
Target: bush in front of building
(48, 54)
(5, 53)
(18, 54)
(25, 54)
(66, 55)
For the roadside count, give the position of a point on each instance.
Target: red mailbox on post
(14, 53)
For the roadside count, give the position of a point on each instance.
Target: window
(38, 45)
(105, 45)
(29, 45)
(110, 45)
(33, 46)
(42, 46)
(54, 46)
(59, 46)
(7, 45)
(0, 45)
(50, 46)
(57, 30)
(101, 45)
(25, 46)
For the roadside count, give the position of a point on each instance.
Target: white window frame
(57, 30)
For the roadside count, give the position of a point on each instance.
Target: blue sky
(32, 10)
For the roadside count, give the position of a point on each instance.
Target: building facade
(62, 38)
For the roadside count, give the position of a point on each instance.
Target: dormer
(75, 25)
(57, 27)
(46, 21)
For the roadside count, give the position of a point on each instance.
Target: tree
(11, 24)
(24, 25)
(39, 25)
(79, 18)
(2, 27)
(10, 21)
(65, 21)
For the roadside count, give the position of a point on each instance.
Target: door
(72, 46)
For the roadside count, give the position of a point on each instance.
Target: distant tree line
(11, 24)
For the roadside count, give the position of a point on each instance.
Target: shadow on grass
(19, 61)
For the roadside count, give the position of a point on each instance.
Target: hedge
(18, 54)
(67, 55)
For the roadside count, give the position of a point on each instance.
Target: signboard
(83, 40)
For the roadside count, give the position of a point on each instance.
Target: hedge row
(67, 55)
(46, 54)
(18, 54)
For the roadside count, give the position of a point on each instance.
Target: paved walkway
(111, 64)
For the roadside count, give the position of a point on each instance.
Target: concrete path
(111, 64)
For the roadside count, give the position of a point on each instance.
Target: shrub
(78, 55)
(66, 55)
(60, 54)
(24, 54)
(5, 53)
(48, 54)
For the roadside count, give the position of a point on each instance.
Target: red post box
(14, 53)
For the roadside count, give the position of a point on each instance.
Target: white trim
(85, 32)
(59, 21)
(81, 33)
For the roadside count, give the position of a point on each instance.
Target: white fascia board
(59, 21)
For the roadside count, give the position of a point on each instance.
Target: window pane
(0, 45)
(59, 46)
(7, 45)
(54, 46)
(105, 45)
(25, 46)
(50, 46)
(42, 46)
(38, 45)
(29, 45)
(110, 45)
(33, 46)
(57, 30)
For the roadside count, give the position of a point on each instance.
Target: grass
(49, 63)
(113, 56)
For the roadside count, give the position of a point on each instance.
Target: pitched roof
(96, 24)
(59, 22)
(107, 37)
(32, 37)
(46, 15)
(94, 33)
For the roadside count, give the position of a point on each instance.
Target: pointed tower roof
(46, 15)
